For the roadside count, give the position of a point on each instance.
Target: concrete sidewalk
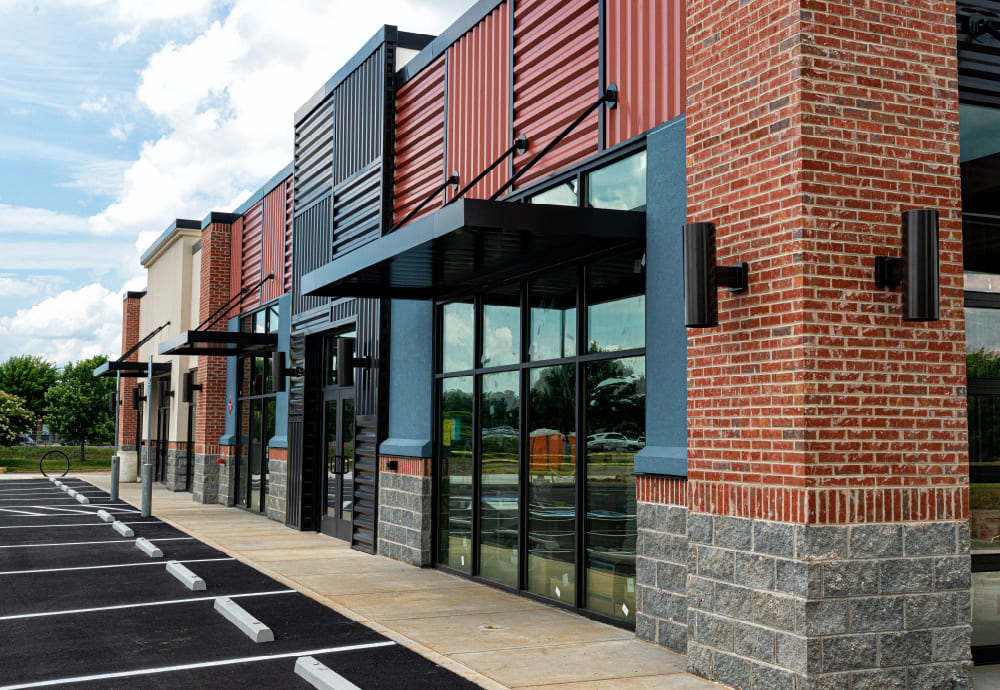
(493, 638)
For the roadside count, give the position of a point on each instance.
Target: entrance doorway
(338, 463)
(162, 431)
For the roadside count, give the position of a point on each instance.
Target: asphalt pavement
(81, 606)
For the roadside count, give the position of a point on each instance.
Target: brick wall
(810, 127)
(130, 336)
(211, 399)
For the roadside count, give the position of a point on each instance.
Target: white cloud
(69, 326)
(26, 221)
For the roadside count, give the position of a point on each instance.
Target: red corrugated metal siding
(556, 63)
(479, 103)
(236, 259)
(253, 223)
(275, 221)
(419, 146)
(289, 196)
(645, 59)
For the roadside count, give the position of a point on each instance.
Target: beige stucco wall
(172, 293)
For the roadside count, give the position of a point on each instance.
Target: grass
(25, 458)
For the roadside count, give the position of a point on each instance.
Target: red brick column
(810, 128)
(216, 250)
(130, 336)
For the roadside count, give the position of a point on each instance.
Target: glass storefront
(521, 370)
(256, 415)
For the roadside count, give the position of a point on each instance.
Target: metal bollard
(147, 490)
(116, 466)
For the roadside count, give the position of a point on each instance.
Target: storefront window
(621, 185)
(616, 414)
(457, 336)
(552, 301)
(573, 539)
(500, 407)
(552, 482)
(455, 487)
(563, 194)
(501, 328)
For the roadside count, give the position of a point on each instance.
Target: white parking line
(204, 664)
(164, 602)
(20, 512)
(85, 543)
(82, 524)
(103, 567)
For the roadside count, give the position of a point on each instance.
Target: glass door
(338, 463)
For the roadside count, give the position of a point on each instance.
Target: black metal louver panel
(358, 118)
(365, 508)
(357, 210)
(313, 161)
(296, 496)
(311, 239)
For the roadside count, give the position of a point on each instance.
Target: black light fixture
(347, 362)
(188, 387)
(279, 371)
(702, 277)
(137, 397)
(112, 397)
(918, 270)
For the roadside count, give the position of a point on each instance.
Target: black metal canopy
(131, 369)
(220, 343)
(473, 243)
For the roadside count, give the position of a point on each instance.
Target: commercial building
(480, 324)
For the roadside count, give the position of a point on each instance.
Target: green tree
(15, 418)
(28, 377)
(78, 404)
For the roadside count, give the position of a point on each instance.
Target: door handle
(338, 464)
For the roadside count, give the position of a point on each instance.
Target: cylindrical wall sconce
(918, 270)
(702, 277)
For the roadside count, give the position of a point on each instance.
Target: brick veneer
(813, 406)
(131, 307)
(216, 250)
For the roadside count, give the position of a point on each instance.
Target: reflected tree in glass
(500, 410)
(455, 488)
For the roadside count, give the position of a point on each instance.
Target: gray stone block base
(778, 605)
(175, 476)
(277, 490)
(661, 575)
(205, 483)
(404, 518)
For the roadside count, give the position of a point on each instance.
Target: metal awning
(474, 243)
(131, 369)
(220, 343)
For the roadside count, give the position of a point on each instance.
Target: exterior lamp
(917, 270)
(279, 371)
(702, 277)
(347, 362)
(188, 387)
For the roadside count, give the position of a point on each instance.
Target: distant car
(610, 441)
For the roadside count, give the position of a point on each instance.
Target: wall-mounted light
(188, 387)
(112, 400)
(917, 270)
(347, 362)
(703, 278)
(137, 397)
(279, 371)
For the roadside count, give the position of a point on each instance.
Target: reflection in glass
(616, 414)
(982, 282)
(455, 452)
(244, 454)
(621, 185)
(552, 482)
(457, 321)
(985, 612)
(500, 410)
(272, 318)
(347, 451)
(563, 194)
(502, 328)
(260, 321)
(552, 300)
(982, 343)
(978, 131)
(616, 304)
(257, 442)
(984, 459)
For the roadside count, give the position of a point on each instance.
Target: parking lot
(82, 606)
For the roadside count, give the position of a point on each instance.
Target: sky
(118, 116)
